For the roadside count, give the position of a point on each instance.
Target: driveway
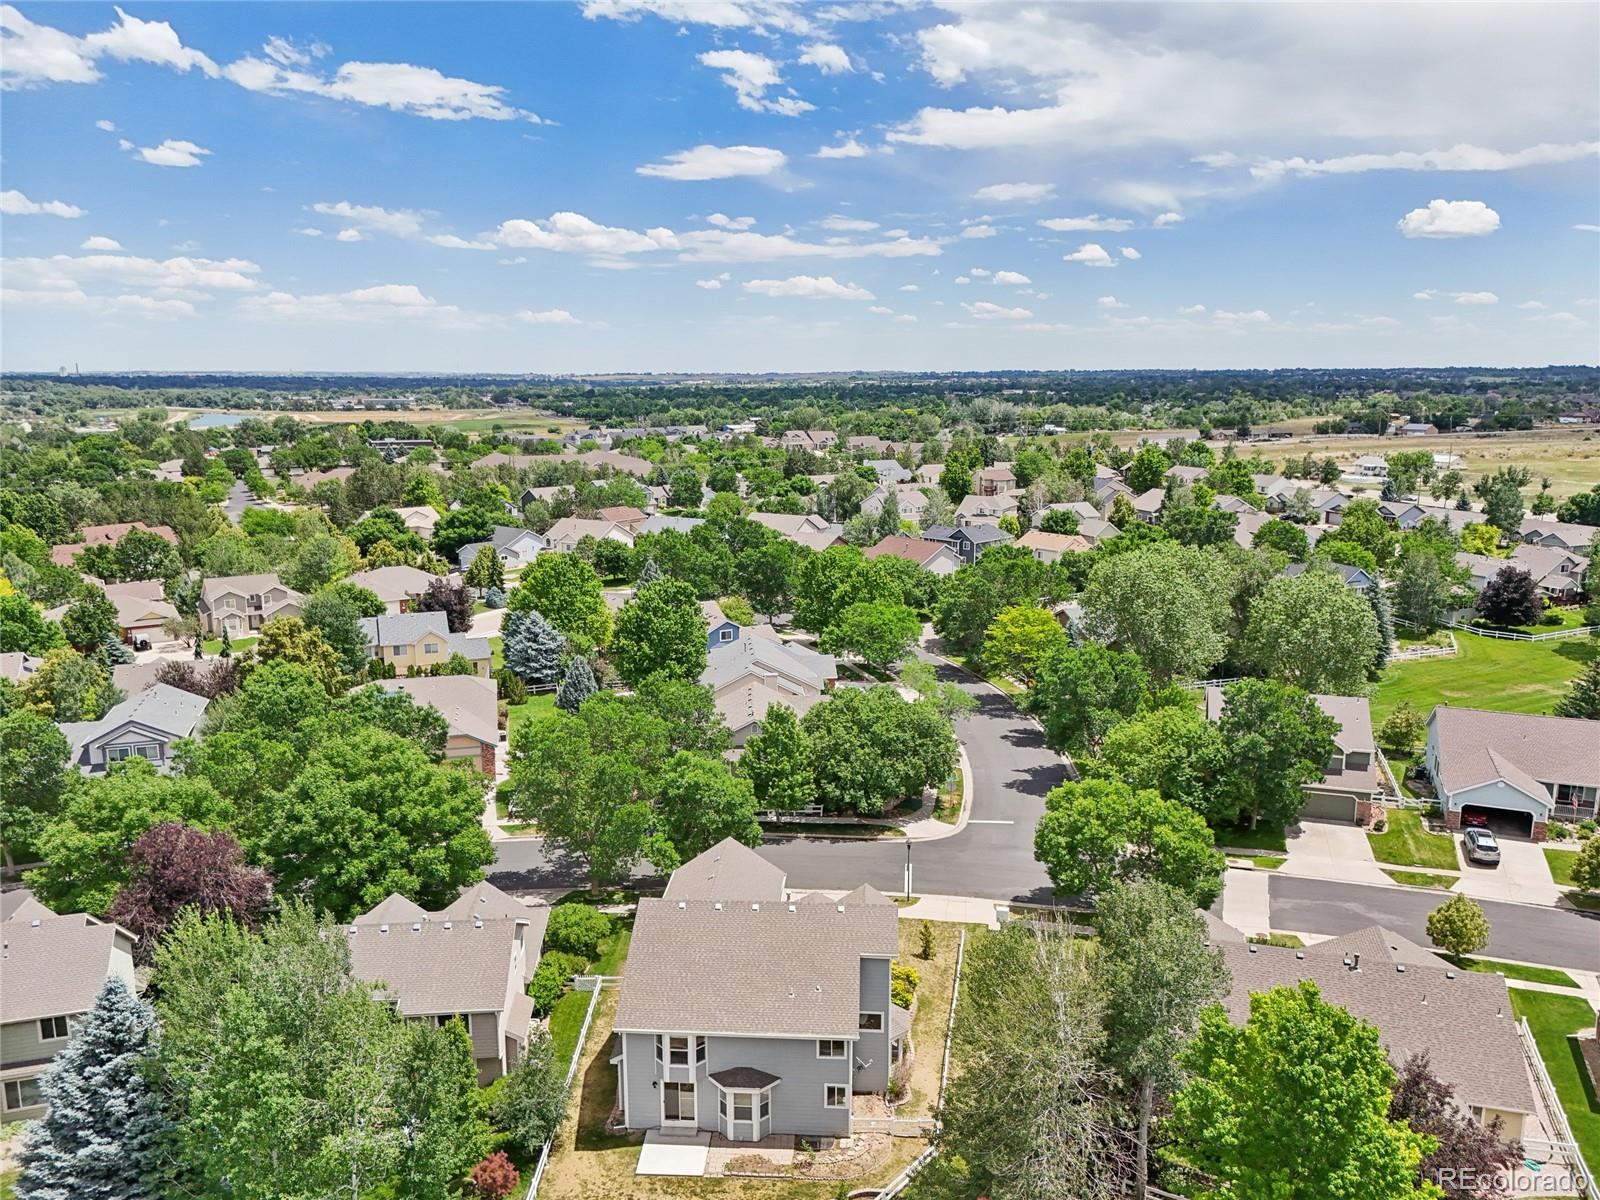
(1331, 850)
(1523, 874)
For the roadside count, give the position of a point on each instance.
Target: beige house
(566, 533)
(1049, 547)
(419, 641)
(398, 587)
(244, 603)
(469, 708)
(142, 610)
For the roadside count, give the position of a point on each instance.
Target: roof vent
(351, 931)
(477, 922)
(838, 908)
(1449, 974)
(449, 924)
(791, 908)
(383, 929)
(1400, 967)
(1252, 947)
(682, 906)
(755, 908)
(717, 905)
(34, 924)
(416, 927)
(1299, 953)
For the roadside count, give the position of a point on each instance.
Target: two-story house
(749, 1013)
(422, 640)
(142, 610)
(469, 961)
(938, 557)
(242, 604)
(145, 725)
(994, 481)
(516, 547)
(1541, 531)
(566, 533)
(51, 972)
(470, 711)
(398, 587)
(968, 541)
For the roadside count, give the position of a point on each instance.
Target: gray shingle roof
(166, 709)
(1461, 1019)
(762, 656)
(57, 967)
(436, 966)
(744, 1078)
(730, 870)
(1477, 746)
(467, 702)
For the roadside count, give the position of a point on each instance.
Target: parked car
(1475, 819)
(1481, 847)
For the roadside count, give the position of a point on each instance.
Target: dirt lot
(932, 1012)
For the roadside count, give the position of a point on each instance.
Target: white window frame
(47, 1025)
(844, 1091)
(694, 1096)
(430, 647)
(123, 751)
(842, 1043)
(700, 1045)
(673, 1051)
(864, 1027)
(724, 635)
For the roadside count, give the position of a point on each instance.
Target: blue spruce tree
(577, 684)
(650, 572)
(99, 1140)
(532, 648)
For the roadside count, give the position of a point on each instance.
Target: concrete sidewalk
(1246, 905)
(966, 910)
(1331, 850)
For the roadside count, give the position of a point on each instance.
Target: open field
(467, 420)
(1486, 673)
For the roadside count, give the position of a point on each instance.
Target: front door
(677, 1104)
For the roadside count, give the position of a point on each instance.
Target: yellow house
(422, 640)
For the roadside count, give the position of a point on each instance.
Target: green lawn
(1552, 1018)
(1287, 940)
(499, 659)
(1236, 837)
(1568, 618)
(533, 707)
(1561, 865)
(1521, 972)
(566, 1018)
(213, 646)
(1405, 843)
(1486, 673)
(1422, 879)
(1265, 862)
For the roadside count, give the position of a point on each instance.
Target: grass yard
(1561, 865)
(1287, 940)
(1552, 1018)
(1265, 862)
(1237, 837)
(498, 657)
(1423, 879)
(566, 1018)
(1568, 618)
(213, 646)
(532, 708)
(1490, 673)
(1520, 972)
(932, 1014)
(947, 807)
(1405, 843)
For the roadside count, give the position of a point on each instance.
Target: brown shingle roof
(730, 870)
(57, 967)
(1548, 749)
(918, 550)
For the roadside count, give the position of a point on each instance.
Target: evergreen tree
(99, 1139)
(486, 571)
(577, 684)
(1583, 699)
(532, 648)
(227, 643)
(650, 572)
(1385, 618)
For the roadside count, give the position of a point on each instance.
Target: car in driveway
(1481, 847)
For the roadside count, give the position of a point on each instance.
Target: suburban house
(17, 665)
(470, 961)
(804, 529)
(105, 535)
(55, 968)
(661, 523)
(788, 671)
(1562, 534)
(625, 515)
(1188, 476)
(749, 1014)
(516, 461)
(987, 509)
(310, 479)
(470, 710)
(1348, 789)
(142, 610)
(968, 541)
(1354, 577)
(1557, 573)
(869, 443)
(1148, 504)
(622, 464)
(422, 640)
(1521, 769)
(1418, 429)
(566, 533)
(244, 603)
(398, 587)
(909, 498)
(994, 481)
(1049, 547)
(888, 470)
(420, 519)
(1236, 505)
(393, 448)
(1108, 489)
(515, 546)
(143, 726)
(1408, 514)
(744, 704)
(814, 440)
(937, 557)
(1369, 466)
(719, 628)
(1462, 1020)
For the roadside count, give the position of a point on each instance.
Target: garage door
(1329, 807)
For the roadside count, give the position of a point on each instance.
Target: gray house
(1517, 769)
(747, 1013)
(54, 969)
(143, 726)
(516, 547)
(968, 541)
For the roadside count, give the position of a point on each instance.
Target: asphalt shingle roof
(55, 968)
(730, 870)
(1477, 746)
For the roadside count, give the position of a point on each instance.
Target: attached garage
(1329, 806)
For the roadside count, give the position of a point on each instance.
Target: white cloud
(979, 231)
(1192, 310)
(572, 232)
(170, 153)
(985, 311)
(76, 300)
(1011, 278)
(1110, 302)
(761, 16)
(811, 287)
(1533, 305)
(881, 311)
(905, 318)
(1129, 252)
(399, 87)
(38, 54)
(724, 221)
(1475, 297)
(398, 222)
(827, 58)
(840, 224)
(14, 204)
(1463, 157)
(963, 279)
(550, 316)
(309, 231)
(979, 272)
(1016, 193)
(1379, 322)
(750, 75)
(349, 235)
(1090, 254)
(1167, 220)
(710, 285)
(384, 304)
(108, 126)
(1424, 294)
(286, 54)
(1093, 222)
(1587, 228)
(715, 162)
(100, 243)
(1253, 317)
(849, 148)
(104, 284)
(1450, 219)
(909, 287)
(451, 242)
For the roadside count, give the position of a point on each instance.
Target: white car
(1481, 847)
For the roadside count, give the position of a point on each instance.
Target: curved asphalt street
(1012, 770)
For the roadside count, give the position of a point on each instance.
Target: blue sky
(703, 185)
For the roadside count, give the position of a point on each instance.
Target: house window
(766, 1105)
(722, 1105)
(53, 1029)
(743, 1106)
(677, 1052)
(835, 1095)
(870, 1020)
(397, 649)
(430, 647)
(443, 1019)
(150, 750)
(700, 1049)
(724, 635)
(831, 1048)
(658, 1048)
(22, 1093)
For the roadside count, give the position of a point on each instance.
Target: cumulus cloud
(1090, 254)
(383, 304)
(14, 204)
(1110, 302)
(1011, 278)
(1129, 252)
(979, 272)
(1192, 310)
(1587, 228)
(1475, 297)
(550, 316)
(810, 287)
(1015, 193)
(1450, 219)
(574, 233)
(38, 54)
(909, 287)
(849, 148)
(827, 58)
(1092, 222)
(100, 243)
(170, 153)
(108, 126)
(841, 224)
(1254, 316)
(881, 311)
(979, 231)
(713, 284)
(114, 285)
(349, 235)
(398, 222)
(1533, 305)
(1167, 220)
(399, 87)
(715, 162)
(905, 318)
(1462, 157)
(983, 310)
(750, 75)
(724, 221)
(760, 16)
(1424, 294)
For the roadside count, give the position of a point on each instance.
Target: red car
(1477, 820)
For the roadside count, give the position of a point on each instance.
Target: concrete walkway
(673, 1154)
(968, 910)
(1331, 850)
(1246, 905)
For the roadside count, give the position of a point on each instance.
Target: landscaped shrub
(508, 687)
(494, 598)
(577, 929)
(903, 980)
(1557, 832)
(495, 1178)
(1588, 826)
(552, 977)
(527, 1104)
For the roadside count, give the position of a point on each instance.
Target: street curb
(1401, 887)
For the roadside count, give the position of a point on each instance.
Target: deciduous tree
(777, 762)
(172, 867)
(566, 591)
(1313, 631)
(1511, 597)
(1458, 927)
(879, 632)
(1467, 1152)
(1021, 639)
(1164, 602)
(450, 598)
(661, 631)
(1276, 739)
(1082, 691)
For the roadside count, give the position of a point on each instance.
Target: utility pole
(908, 868)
